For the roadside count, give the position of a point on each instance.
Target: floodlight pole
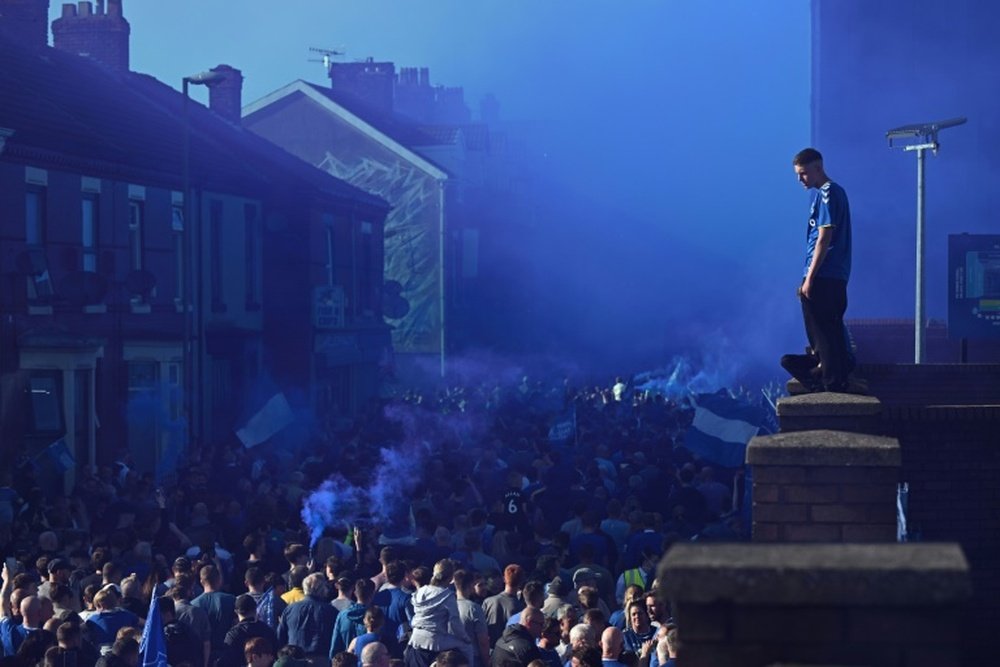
(919, 343)
(927, 136)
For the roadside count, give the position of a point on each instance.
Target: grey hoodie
(436, 623)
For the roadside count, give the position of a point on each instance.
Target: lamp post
(924, 137)
(192, 333)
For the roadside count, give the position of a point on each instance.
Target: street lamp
(924, 137)
(190, 291)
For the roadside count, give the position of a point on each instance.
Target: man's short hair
(246, 605)
(364, 589)
(68, 633)
(807, 156)
(210, 575)
(514, 575)
(313, 584)
(451, 658)
(373, 653)
(587, 656)
(582, 632)
(387, 555)
(345, 659)
(294, 552)
(125, 646)
(256, 646)
(254, 576)
(297, 576)
(672, 643)
(395, 572)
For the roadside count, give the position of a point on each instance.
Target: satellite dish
(83, 288)
(394, 306)
(140, 282)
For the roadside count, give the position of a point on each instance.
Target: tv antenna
(922, 137)
(327, 55)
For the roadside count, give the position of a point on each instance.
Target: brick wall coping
(817, 574)
(828, 404)
(823, 448)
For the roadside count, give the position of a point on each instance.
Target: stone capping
(823, 448)
(828, 404)
(856, 575)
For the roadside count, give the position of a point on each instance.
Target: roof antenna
(328, 55)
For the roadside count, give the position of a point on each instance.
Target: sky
(668, 128)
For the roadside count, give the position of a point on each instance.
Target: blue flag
(153, 647)
(265, 609)
(563, 427)
(721, 429)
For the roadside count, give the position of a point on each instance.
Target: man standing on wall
(823, 292)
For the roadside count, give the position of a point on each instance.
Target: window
(368, 285)
(34, 216)
(46, 402)
(177, 227)
(328, 228)
(88, 241)
(252, 250)
(215, 245)
(38, 281)
(135, 220)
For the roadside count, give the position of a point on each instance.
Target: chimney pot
(68, 9)
(86, 9)
(225, 97)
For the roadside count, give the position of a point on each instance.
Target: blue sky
(681, 115)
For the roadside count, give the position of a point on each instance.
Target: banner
(274, 416)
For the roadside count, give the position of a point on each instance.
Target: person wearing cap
(59, 571)
(437, 622)
(558, 596)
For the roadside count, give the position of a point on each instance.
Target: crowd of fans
(516, 544)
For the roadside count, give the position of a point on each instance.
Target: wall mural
(411, 242)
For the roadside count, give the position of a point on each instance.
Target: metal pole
(918, 317)
(188, 270)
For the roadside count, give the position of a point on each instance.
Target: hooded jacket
(350, 624)
(436, 623)
(515, 648)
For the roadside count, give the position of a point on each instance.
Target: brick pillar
(843, 412)
(755, 605)
(824, 486)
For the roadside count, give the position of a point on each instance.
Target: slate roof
(72, 112)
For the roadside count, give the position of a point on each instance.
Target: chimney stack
(225, 97)
(26, 21)
(102, 35)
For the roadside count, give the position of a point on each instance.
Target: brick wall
(888, 605)
(824, 486)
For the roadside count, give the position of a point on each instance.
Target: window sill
(39, 310)
(95, 309)
(141, 309)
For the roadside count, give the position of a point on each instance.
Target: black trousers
(823, 315)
